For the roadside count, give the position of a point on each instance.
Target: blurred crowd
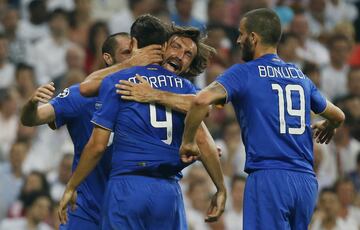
(60, 41)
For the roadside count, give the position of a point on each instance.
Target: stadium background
(320, 36)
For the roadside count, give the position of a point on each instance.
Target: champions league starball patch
(64, 93)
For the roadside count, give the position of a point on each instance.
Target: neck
(31, 224)
(237, 207)
(17, 172)
(262, 50)
(329, 222)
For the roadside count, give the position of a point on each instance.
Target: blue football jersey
(76, 111)
(147, 137)
(272, 101)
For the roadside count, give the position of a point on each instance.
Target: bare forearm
(177, 102)
(333, 114)
(90, 86)
(88, 160)
(209, 156)
(29, 114)
(193, 119)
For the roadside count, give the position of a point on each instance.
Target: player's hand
(323, 131)
(189, 152)
(43, 94)
(141, 92)
(69, 197)
(217, 206)
(145, 56)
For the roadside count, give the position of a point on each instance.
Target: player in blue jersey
(70, 108)
(273, 101)
(143, 192)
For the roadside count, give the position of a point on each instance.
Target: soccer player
(142, 191)
(273, 101)
(75, 111)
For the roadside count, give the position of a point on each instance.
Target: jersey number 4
(162, 124)
(290, 110)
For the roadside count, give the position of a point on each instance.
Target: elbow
(99, 149)
(341, 117)
(83, 89)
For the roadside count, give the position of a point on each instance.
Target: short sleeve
(234, 80)
(64, 106)
(317, 100)
(107, 105)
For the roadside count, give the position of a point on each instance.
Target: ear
(255, 38)
(133, 44)
(108, 59)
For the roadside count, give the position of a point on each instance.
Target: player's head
(186, 53)
(116, 48)
(260, 27)
(148, 30)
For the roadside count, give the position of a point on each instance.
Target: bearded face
(247, 50)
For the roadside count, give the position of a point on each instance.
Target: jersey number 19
(290, 110)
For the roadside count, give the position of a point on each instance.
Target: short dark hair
(310, 67)
(58, 12)
(264, 22)
(338, 37)
(30, 198)
(148, 30)
(204, 51)
(109, 46)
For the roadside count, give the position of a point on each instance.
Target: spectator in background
(313, 72)
(338, 11)
(122, 21)
(25, 82)
(310, 50)
(7, 69)
(183, 17)
(75, 61)
(234, 215)
(324, 166)
(11, 176)
(97, 35)
(316, 15)
(36, 27)
(18, 46)
(9, 121)
(289, 42)
(48, 67)
(354, 81)
(59, 179)
(37, 208)
(34, 182)
(355, 175)
(285, 13)
(345, 147)
(334, 75)
(328, 216)
(80, 22)
(346, 194)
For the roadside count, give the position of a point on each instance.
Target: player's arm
(210, 159)
(143, 92)
(141, 57)
(215, 93)
(90, 156)
(325, 130)
(32, 114)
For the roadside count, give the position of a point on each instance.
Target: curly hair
(204, 52)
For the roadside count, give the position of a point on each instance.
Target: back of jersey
(273, 102)
(147, 137)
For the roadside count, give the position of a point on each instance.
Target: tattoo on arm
(219, 91)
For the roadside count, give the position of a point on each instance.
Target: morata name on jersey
(161, 81)
(280, 72)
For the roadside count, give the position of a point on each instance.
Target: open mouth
(175, 65)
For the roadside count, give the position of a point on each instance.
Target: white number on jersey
(290, 110)
(162, 124)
